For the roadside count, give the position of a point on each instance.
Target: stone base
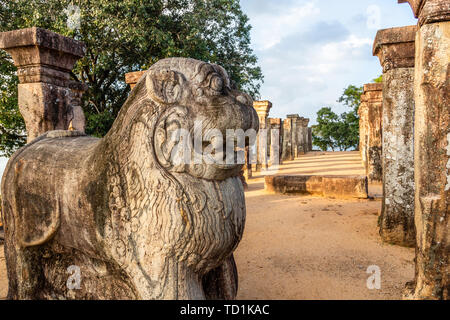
(343, 187)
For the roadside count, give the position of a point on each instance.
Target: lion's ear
(165, 86)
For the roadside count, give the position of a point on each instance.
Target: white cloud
(333, 54)
(270, 29)
(310, 50)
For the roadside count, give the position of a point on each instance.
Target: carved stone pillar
(287, 154)
(395, 49)
(432, 150)
(262, 109)
(248, 166)
(305, 122)
(48, 98)
(275, 141)
(363, 112)
(132, 78)
(310, 145)
(373, 94)
(300, 137)
(294, 118)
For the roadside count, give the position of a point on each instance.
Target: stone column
(48, 98)
(287, 154)
(432, 150)
(275, 134)
(262, 109)
(132, 78)
(300, 137)
(248, 165)
(363, 112)
(305, 122)
(310, 144)
(294, 134)
(395, 49)
(373, 94)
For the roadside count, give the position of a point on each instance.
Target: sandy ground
(304, 247)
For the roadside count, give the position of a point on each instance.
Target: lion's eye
(217, 84)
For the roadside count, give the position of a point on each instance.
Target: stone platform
(328, 174)
(342, 187)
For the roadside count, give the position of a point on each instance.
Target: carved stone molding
(395, 47)
(429, 11)
(42, 55)
(262, 109)
(48, 98)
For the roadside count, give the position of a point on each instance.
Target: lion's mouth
(226, 166)
(225, 158)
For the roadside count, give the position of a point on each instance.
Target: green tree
(378, 80)
(124, 36)
(350, 134)
(325, 129)
(339, 131)
(351, 97)
(12, 126)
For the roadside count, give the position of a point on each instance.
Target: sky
(310, 50)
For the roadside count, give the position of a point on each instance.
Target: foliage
(378, 80)
(12, 126)
(324, 131)
(339, 131)
(124, 36)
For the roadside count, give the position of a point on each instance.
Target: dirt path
(302, 247)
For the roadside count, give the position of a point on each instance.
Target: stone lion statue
(115, 218)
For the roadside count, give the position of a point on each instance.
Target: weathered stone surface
(370, 135)
(276, 135)
(397, 214)
(137, 225)
(374, 95)
(429, 11)
(295, 121)
(286, 152)
(304, 133)
(299, 137)
(247, 169)
(262, 109)
(48, 99)
(328, 186)
(395, 48)
(42, 55)
(363, 113)
(415, 5)
(432, 162)
(310, 144)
